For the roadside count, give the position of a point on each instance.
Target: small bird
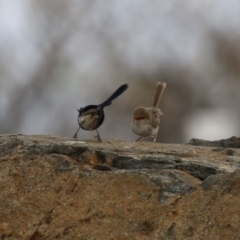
(146, 120)
(91, 117)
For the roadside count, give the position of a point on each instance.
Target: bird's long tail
(117, 93)
(158, 93)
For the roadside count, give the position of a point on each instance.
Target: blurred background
(57, 56)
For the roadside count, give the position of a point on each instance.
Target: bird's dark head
(80, 110)
(85, 110)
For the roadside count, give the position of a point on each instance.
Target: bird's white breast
(143, 128)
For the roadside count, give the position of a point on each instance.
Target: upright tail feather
(158, 93)
(117, 93)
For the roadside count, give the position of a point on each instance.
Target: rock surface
(59, 188)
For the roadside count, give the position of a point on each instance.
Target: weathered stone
(233, 142)
(59, 188)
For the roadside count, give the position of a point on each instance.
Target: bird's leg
(75, 135)
(155, 138)
(138, 139)
(98, 136)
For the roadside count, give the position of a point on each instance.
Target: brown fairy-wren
(146, 120)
